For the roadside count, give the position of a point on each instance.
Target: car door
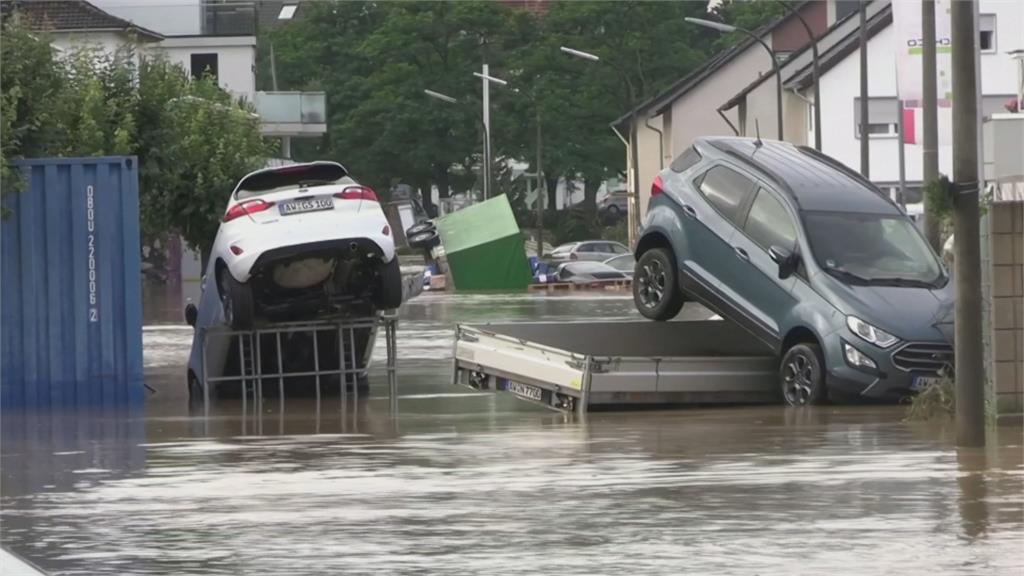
(767, 223)
(710, 223)
(588, 251)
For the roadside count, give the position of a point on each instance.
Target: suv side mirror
(786, 260)
(191, 314)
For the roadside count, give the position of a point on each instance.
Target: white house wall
(236, 59)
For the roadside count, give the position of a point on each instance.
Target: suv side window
(769, 224)
(726, 190)
(585, 248)
(685, 161)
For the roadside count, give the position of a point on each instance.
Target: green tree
(192, 139)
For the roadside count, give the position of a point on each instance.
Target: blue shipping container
(70, 286)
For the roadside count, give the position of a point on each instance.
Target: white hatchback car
(303, 240)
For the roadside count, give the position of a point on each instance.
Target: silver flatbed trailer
(578, 365)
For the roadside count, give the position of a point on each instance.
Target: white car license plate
(307, 205)
(524, 391)
(922, 382)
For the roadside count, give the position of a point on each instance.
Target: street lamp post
(633, 171)
(484, 118)
(775, 63)
(486, 79)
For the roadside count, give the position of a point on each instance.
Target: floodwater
(458, 482)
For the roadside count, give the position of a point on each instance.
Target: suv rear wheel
(802, 375)
(655, 285)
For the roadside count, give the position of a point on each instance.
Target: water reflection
(469, 483)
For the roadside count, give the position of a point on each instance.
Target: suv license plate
(922, 382)
(309, 205)
(524, 391)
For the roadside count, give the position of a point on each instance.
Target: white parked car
(301, 241)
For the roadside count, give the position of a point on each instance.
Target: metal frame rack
(348, 369)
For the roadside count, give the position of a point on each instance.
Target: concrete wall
(236, 59)
(1007, 321)
(109, 42)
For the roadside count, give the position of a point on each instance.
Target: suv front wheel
(802, 375)
(655, 285)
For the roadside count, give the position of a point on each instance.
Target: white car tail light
(247, 207)
(357, 193)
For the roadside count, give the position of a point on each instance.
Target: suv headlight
(869, 333)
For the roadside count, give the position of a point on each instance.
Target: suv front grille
(923, 357)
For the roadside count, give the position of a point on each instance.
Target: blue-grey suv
(808, 256)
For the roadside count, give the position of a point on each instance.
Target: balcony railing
(292, 113)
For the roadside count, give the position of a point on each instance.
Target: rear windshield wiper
(849, 277)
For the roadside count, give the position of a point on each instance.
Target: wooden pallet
(569, 286)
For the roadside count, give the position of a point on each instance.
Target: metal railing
(249, 346)
(291, 107)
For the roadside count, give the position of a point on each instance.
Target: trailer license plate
(306, 205)
(524, 391)
(922, 382)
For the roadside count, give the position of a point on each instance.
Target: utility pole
(865, 167)
(970, 368)
(487, 128)
(929, 90)
(540, 190)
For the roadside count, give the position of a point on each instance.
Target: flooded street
(458, 482)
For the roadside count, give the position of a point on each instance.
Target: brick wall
(1007, 321)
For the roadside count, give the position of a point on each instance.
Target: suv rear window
(726, 190)
(685, 161)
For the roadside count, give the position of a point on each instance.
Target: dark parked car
(808, 256)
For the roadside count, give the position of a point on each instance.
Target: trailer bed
(580, 365)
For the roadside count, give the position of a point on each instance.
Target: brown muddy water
(458, 482)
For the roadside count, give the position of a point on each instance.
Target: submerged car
(625, 264)
(301, 241)
(807, 255)
(588, 273)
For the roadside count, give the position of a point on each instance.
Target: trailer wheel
(236, 299)
(389, 291)
(802, 375)
(655, 285)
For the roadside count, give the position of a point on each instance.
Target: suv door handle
(690, 211)
(742, 254)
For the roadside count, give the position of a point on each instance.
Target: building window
(287, 11)
(883, 118)
(987, 33)
(880, 130)
(204, 64)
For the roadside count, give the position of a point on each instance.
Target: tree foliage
(193, 141)
(374, 59)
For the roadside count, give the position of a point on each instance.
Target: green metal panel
(484, 247)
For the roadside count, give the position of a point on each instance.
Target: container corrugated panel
(70, 281)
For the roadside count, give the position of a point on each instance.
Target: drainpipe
(808, 101)
(661, 143)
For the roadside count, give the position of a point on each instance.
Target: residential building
(668, 122)
(76, 23)
(213, 37)
(735, 93)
